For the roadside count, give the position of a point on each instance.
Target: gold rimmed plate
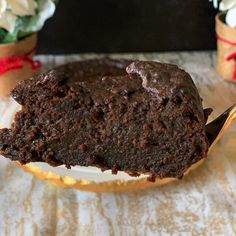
(92, 179)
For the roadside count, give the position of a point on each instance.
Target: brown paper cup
(226, 49)
(9, 79)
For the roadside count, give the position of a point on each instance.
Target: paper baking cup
(85, 178)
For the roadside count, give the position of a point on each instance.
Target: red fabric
(234, 74)
(17, 62)
(225, 40)
(232, 55)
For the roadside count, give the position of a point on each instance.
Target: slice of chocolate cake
(138, 117)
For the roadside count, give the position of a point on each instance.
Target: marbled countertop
(203, 203)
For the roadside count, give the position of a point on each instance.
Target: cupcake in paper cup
(226, 39)
(19, 23)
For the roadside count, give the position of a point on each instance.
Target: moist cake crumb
(132, 116)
